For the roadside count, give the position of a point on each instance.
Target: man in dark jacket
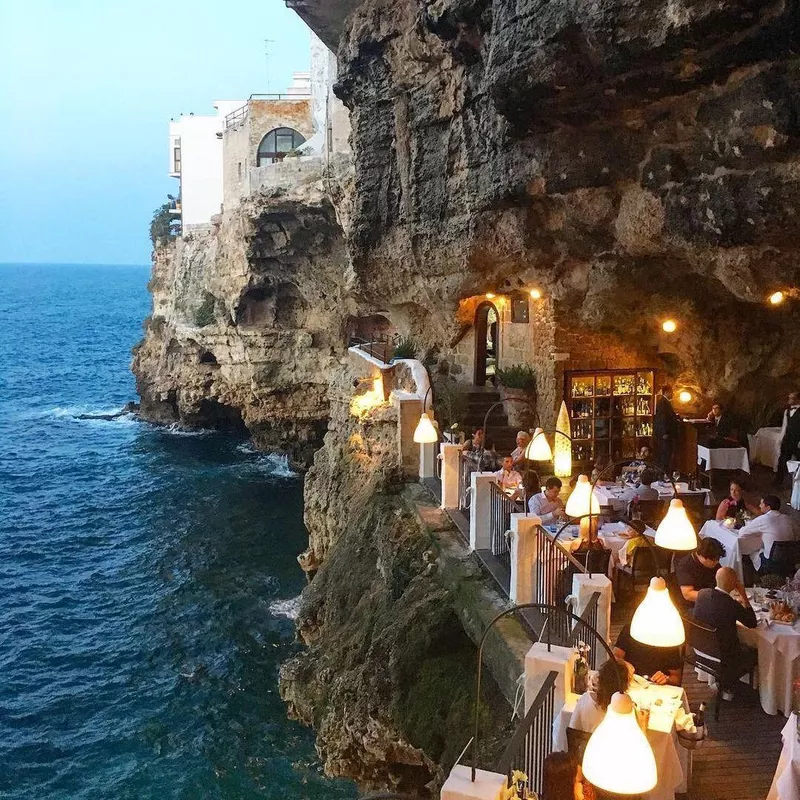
(665, 428)
(790, 436)
(718, 609)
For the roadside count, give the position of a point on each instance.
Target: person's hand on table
(659, 678)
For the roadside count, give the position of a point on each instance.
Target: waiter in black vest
(665, 428)
(790, 435)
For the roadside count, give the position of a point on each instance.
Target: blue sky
(87, 88)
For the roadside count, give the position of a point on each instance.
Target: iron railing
(380, 346)
(501, 507)
(532, 742)
(237, 116)
(466, 466)
(555, 566)
(582, 631)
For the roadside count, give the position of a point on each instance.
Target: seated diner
(697, 570)
(757, 536)
(613, 676)
(659, 665)
(735, 504)
(509, 479)
(518, 453)
(547, 504)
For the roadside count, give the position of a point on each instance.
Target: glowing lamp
(669, 326)
(425, 432)
(675, 532)
(618, 758)
(490, 295)
(562, 460)
(657, 622)
(685, 397)
(536, 294)
(582, 501)
(776, 298)
(538, 448)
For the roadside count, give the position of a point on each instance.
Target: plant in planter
(405, 347)
(517, 386)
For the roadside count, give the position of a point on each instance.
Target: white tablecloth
(794, 470)
(609, 493)
(609, 535)
(765, 447)
(786, 783)
(778, 652)
(723, 457)
(735, 547)
(670, 756)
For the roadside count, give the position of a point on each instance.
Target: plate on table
(781, 622)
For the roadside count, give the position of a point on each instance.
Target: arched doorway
(486, 343)
(276, 144)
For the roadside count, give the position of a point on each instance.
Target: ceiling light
(669, 326)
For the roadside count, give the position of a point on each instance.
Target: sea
(148, 576)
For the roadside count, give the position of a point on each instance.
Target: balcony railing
(501, 507)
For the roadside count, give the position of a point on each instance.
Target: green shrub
(450, 401)
(164, 226)
(205, 311)
(405, 347)
(517, 376)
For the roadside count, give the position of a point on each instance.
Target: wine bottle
(700, 716)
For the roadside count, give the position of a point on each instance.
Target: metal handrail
(552, 538)
(531, 723)
(523, 606)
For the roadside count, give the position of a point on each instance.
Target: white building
(195, 158)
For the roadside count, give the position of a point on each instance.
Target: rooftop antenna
(267, 43)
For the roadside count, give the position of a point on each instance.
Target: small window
(276, 144)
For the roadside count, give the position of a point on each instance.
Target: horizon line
(72, 264)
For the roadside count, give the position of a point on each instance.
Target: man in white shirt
(790, 436)
(643, 491)
(757, 537)
(546, 504)
(508, 478)
(518, 453)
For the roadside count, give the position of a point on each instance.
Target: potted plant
(517, 386)
(405, 347)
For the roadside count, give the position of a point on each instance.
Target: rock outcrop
(248, 319)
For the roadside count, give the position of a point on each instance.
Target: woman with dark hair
(591, 707)
(735, 503)
(531, 482)
(562, 779)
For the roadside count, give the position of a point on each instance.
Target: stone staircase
(479, 400)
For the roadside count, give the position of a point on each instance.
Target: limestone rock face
(248, 318)
(650, 146)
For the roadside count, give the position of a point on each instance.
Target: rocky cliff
(634, 158)
(248, 318)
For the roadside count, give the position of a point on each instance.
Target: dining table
(610, 494)
(666, 703)
(725, 458)
(736, 545)
(765, 447)
(786, 782)
(778, 646)
(793, 468)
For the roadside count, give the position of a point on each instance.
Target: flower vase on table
(580, 669)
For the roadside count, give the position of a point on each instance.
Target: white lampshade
(582, 501)
(538, 448)
(425, 432)
(562, 460)
(657, 622)
(675, 531)
(618, 758)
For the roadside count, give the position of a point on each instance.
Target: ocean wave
(275, 464)
(176, 429)
(285, 608)
(82, 413)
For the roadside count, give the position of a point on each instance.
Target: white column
(583, 587)
(427, 460)
(486, 786)
(480, 510)
(451, 457)
(538, 664)
(523, 552)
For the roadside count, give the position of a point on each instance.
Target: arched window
(276, 144)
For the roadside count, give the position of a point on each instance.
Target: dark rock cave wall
(637, 160)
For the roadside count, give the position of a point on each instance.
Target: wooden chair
(595, 561)
(650, 510)
(702, 652)
(576, 743)
(783, 559)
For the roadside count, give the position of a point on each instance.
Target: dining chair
(783, 560)
(576, 742)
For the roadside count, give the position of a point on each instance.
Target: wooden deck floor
(738, 759)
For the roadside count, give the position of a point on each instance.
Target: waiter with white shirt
(770, 526)
(790, 436)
